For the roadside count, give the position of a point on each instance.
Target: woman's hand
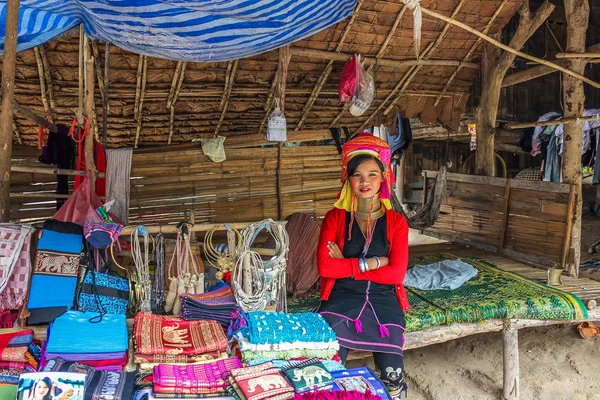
(334, 250)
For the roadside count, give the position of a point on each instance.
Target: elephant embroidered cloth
(140, 358)
(161, 334)
(209, 375)
(307, 375)
(261, 382)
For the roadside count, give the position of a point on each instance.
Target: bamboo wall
(515, 218)
(167, 186)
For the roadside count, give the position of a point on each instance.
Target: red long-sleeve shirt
(333, 229)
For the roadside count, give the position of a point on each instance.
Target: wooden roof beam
(174, 94)
(42, 79)
(97, 68)
(327, 71)
(469, 54)
(410, 74)
(229, 78)
(269, 102)
(510, 49)
(48, 76)
(540, 70)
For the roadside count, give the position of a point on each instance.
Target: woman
(42, 389)
(362, 257)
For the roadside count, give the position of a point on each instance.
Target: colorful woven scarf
(159, 334)
(208, 376)
(15, 264)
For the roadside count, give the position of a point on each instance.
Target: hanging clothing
(118, 172)
(552, 164)
(596, 177)
(99, 161)
(526, 139)
(400, 141)
(59, 150)
(536, 143)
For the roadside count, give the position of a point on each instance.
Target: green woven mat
(493, 293)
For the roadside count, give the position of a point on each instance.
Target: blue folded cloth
(442, 275)
(73, 332)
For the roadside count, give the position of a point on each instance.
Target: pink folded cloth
(208, 376)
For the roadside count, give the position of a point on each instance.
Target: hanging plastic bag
(214, 148)
(347, 85)
(363, 92)
(276, 129)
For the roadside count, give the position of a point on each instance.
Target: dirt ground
(555, 364)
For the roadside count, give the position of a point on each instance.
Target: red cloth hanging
(99, 156)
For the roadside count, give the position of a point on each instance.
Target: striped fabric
(200, 30)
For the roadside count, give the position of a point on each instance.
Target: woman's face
(366, 180)
(41, 389)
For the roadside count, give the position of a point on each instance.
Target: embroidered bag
(56, 266)
(99, 291)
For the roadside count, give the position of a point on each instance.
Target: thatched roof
(381, 29)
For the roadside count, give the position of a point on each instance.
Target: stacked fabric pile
(85, 337)
(172, 340)
(217, 305)
(262, 381)
(198, 381)
(269, 336)
(101, 385)
(18, 354)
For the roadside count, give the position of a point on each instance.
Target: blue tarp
(194, 30)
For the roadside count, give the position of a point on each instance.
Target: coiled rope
(267, 276)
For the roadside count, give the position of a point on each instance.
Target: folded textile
(209, 375)
(260, 382)
(339, 395)
(246, 346)
(147, 394)
(15, 336)
(187, 390)
(18, 365)
(8, 391)
(266, 327)
(330, 365)
(307, 375)
(442, 275)
(159, 334)
(73, 333)
(288, 354)
(99, 385)
(217, 305)
(101, 358)
(10, 376)
(140, 358)
(15, 264)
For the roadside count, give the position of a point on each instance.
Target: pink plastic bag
(348, 80)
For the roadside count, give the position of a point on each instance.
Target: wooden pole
(33, 117)
(81, 74)
(578, 55)
(511, 389)
(105, 102)
(345, 57)
(504, 216)
(568, 226)
(548, 123)
(509, 49)
(400, 169)
(494, 67)
(51, 171)
(8, 91)
(284, 61)
(89, 110)
(577, 16)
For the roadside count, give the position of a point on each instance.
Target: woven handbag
(103, 293)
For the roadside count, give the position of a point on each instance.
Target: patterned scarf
(15, 264)
(158, 334)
